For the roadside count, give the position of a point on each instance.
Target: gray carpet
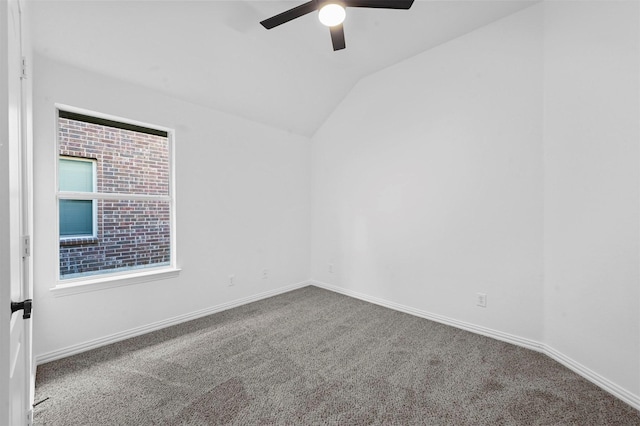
(311, 356)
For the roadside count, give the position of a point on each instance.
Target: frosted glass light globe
(332, 15)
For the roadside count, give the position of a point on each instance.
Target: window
(77, 217)
(115, 198)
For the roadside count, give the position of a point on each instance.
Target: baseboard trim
(495, 334)
(600, 381)
(605, 384)
(138, 331)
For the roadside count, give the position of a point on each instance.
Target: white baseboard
(495, 334)
(600, 381)
(605, 384)
(107, 340)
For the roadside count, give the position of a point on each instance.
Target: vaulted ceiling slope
(216, 54)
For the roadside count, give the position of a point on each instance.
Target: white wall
(242, 206)
(503, 162)
(427, 181)
(592, 131)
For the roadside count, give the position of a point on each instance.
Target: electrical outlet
(232, 280)
(265, 274)
(331, 268)
(481, 299)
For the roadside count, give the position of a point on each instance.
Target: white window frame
(107, 280)
(94, 202)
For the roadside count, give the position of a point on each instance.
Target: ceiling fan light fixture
(332, 14)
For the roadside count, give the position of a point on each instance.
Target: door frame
(16, 193)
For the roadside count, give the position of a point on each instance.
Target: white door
(16, 376)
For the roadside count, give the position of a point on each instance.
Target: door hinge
(26, 306)
(25, 245)
(23, 68)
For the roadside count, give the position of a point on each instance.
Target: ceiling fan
(332, 14)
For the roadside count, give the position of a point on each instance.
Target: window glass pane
(76, 218)
(76, 175)
(128, 162)
(132, 235)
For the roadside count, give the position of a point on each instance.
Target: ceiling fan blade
(382, 4)
(337, 37)
(289, 15)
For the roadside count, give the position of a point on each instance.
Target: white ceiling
(216, 54)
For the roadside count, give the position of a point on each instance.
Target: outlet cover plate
(481, 300)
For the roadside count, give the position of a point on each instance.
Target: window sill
(95, 284)
(79, 241)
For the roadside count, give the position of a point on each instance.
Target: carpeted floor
(316, 357)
